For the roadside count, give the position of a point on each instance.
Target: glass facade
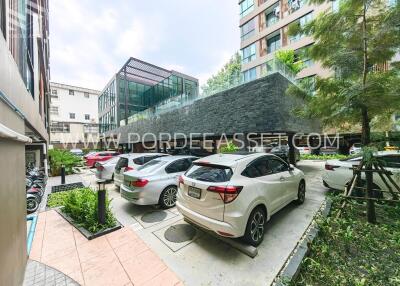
(248, 29)
(123, 98)
(249, 75)
(246, 7)
(273, 43)
(249, 53)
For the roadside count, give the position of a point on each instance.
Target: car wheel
(301, 193)
(254, 234)
(168, 197)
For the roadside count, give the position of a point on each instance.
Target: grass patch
(350, 251)
(322, 157)
(81, 206)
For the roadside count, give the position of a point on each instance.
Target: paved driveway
(205, 260)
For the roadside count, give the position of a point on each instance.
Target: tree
(355, 43)
(288, 58)
(228, 76)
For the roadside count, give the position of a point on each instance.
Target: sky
(90, 40)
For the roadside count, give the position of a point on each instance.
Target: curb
(292, 265)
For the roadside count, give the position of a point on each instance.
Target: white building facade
(73, 117)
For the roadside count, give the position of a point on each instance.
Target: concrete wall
(258, 106)
(13, 255)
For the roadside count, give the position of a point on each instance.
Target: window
(209, 173)
(249, 53)
(246, 7)
(272, 17)
(248, 29)
(249, 75)
(72, 116)
(273, 43)
(295, 5)
(54, 110)
(178, 166)
(71, 92)
(392, 161)
(54, 92)
(276, 166)
(257, 168)
(301, 22)
(86, 94)
(59, 127)
(87, 116)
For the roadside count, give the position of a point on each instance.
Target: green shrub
(229, 148)
(322, 157)
(81, 206)
(56, 199)
(59, 157)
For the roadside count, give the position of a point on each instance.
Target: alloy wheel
(169, 197)
(257, 226)
(31, 205)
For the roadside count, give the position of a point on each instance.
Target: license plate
(194, 192)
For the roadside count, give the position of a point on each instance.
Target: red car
(99, 157)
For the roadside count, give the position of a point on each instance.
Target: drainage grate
(155, 216)
(180, 233)
(66, 187)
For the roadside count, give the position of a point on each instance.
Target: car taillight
(139, 183)
(330, 167)
(128, 169)
(180, 181)
(228, 194)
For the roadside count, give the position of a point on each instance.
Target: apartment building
(73, 116)
(24, 103)
(264, 30)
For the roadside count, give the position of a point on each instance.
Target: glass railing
(271, 67)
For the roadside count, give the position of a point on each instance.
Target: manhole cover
(180, 233)
(155, 216)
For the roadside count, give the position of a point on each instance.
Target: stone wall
(259, 106)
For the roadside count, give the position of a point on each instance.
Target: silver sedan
(156, 181)
(105, 170)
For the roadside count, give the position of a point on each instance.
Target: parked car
(339, 172)
(328, 150)
(234, 195)
(282, 151)
(99, 157)
(89, 154)
(105, 170)
(304, 150)
(355, 148)
(132, 161)
(77, 152)
(156, 181)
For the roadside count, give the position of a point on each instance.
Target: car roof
(174, 158)
(137, 155)
(230, 159)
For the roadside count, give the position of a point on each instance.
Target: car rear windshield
(122, 163)
(209, 173)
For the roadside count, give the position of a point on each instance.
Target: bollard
(62, 175)
(101, 202)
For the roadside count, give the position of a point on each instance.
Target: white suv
(234, 195)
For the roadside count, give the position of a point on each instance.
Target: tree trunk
(365, 136)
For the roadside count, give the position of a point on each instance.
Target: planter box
(66, 187)
(84, 231)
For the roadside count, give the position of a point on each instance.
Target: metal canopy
(140, 71)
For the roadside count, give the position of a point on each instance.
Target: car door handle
(282, 178)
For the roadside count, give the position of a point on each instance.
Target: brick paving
(118, 258)
(39, 274)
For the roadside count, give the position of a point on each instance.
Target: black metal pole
(292, 155)
(62, 175)
(101, 204)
